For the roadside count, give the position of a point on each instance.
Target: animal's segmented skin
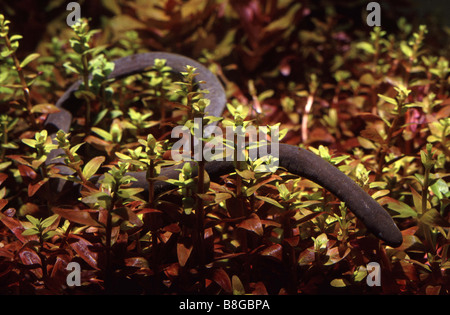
(296, 160)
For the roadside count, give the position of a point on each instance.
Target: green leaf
(403, 209)
(92, 166)
(123, 157)
(339, 283)
(49, 234)
(100, 116)
(285, 21)
(271, 201)
(238, 287)
(360, 274)
(407, 51)
(366, 143)
(15, 38)
(6, 53)
(102, 133)
(5, 165)
(246, 174)
(30, 142)
(128, 192)
(29, 232)
(320, 242)
(83, 94)
(29, 59)
(440, 188)
(283, 190)
(45, 109)
(49, 221)
(75, 148)
(367, 79)
(71, 68)
(423, 157)
(366, 47)
(419, 178)
(387, 99)
(33, 220)
(417, 200)
(38, 162)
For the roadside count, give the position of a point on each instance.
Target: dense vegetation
(373, 101)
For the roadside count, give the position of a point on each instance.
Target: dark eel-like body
(294, 159)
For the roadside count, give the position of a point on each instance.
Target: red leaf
(444, 112)
(3, 177)
(30, 258)
(18, 158)
(253, 224)
(369, 117)
(84, 249)
(99, 143)
(183, 253)
(16, 227)
(3, 202)
(77, 216)
(137, 262)
(259, 289)
(172, 228)
(26, 171)
(274, 251)
(432, 289)
(221, 278)
(372, 134)
(235, 207)
(409, 270)
(307, 257)
(335, 256)
(58, 276)
(33, 188)
(127, 214)
(173, 270)
(149, 210)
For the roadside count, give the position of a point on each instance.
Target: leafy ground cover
(373, 101)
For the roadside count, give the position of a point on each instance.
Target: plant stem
(426, 179)
(108, 271)
(23, 82)
(390, 135)
(5, 140)
(108, 237)
(200, 221)
(161, 103)
(84, 60)
(445, 148)
(154, 255)
(151, 184)
(75, 165)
